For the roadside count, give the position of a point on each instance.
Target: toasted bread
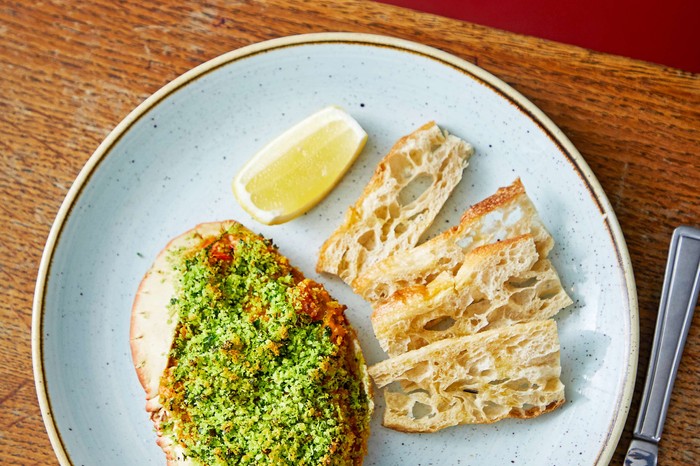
(207, 274)
(506, 372)
(506, 214)
(497, 285)
(392, 213)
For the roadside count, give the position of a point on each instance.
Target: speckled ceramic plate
(169, 164)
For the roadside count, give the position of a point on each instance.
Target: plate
(169, 165)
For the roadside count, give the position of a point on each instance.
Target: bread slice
(496, 285)
(506, 214)
(155, 323)
(507, 372)
(399, 203)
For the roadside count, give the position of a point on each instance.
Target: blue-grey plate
(169, 165)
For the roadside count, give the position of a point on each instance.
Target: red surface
(666, 32)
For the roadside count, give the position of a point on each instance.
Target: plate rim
(516, 98)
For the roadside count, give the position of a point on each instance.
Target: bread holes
(503, 259)
(360, 257)
(522, 297)
(498, 381)
(439, 324)
(493, 410)
(478, 382)
(477, 314)
(418, 372)
(519, 385)
(511, 217)
(455, 269)
(434, 147)
(407, 388)
(444, 261)
(415, 189)
(386, 228)
(463, 386)
(368, 240)
(417, 215)
(465, 243)
(499, 314)
(344, 263)
(382, 213)
(518, 282)
(398, 168)
(421, 410)
(429, 278)
(399, 229)
(552, 385)
(482, 369)
(382, 291)
(493, 223)
(416, 342)
(395, 387)
(418, 391)
(416, 157)
(548, 293)
(394, 210)
(478, 306)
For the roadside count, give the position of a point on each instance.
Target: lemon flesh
(295, 171)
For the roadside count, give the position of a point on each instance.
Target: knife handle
(678, 298)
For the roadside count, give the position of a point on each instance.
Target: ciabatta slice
(497, 285)
(506, 214)
(392, 213)
(507, 372)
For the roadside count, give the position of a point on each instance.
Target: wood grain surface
(70, 71)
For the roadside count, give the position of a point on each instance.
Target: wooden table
(70, 71)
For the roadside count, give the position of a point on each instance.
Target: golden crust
(501, 197)
(533, 412)
(477, 379)
(507, 213)
(379, 223)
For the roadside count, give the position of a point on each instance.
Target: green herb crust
(263, 367)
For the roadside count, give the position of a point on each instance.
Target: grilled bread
(243, 360)
(506, 214)
(506, 372)
(399, 203)
(463, 316)
(497, 284)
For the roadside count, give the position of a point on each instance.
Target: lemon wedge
(293, 172)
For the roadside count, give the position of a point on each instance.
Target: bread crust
(497, 285)
(382, 222)
(152, 330)
(468, 292)
(477, 379)
(514, 215)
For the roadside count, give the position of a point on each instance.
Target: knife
(678, 298)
